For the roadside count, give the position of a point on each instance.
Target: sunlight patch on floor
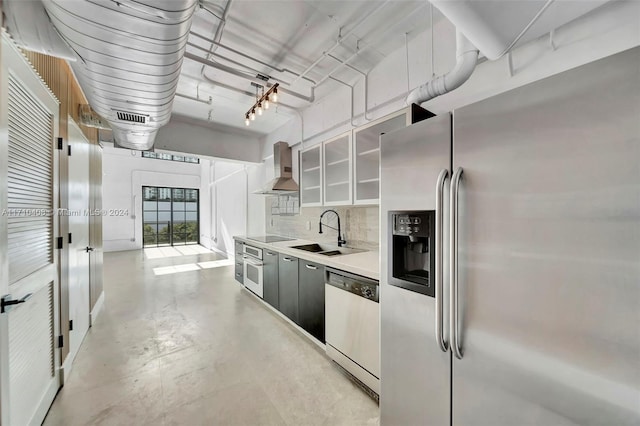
(163, 252)
(215, 263)
(189, 267)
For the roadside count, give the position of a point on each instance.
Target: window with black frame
(170, 216)
(169, 157)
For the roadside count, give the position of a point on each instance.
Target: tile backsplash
(360, 224)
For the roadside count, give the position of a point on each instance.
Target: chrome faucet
(340, 240)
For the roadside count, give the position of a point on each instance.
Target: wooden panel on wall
(57, 74)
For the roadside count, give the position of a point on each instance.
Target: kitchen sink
(326, 249)
(332, 253)
(313, 248)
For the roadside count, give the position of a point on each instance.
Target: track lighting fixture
(262, 102)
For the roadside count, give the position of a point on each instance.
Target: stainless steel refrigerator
(510, 278)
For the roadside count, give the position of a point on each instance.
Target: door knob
(6, 302)
(88, 249)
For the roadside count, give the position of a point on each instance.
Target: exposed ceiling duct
(466, 59)
(494, 28)
(31, 29)
(130, 55)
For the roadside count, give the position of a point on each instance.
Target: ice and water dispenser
(413, 250)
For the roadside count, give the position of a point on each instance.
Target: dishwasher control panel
(362, 287)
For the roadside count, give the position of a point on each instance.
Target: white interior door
(78, 184)
(29, 358)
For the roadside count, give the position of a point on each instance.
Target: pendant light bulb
(246, 119)
(274, 96)
(253, 114)
(260, 108)
(266, 103)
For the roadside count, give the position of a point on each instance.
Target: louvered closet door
(30, 359)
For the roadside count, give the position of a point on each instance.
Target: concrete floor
(181, 343)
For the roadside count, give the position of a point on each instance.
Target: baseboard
(97, 308)
(67, 366)
(368, 379)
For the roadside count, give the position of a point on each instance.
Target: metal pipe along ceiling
(466, 59)
(248, 77)
(130, 54)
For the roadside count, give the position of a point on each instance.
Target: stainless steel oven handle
(453, 264)
(252, 261)
(442, 179)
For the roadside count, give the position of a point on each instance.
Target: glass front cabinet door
(338, 170)
(311, 176)
(366, 142)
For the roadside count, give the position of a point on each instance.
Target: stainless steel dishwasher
(352, 324)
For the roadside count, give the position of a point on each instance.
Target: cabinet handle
(238, 274)
(239, 263)
(311, 267)
(287, 259)
(271, 254)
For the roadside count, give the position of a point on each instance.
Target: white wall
(182, 134)
(605, 31)
(229, 207)
(236, 211)
(125, 172)
(256, 177)
(608, 30)
(205, 203)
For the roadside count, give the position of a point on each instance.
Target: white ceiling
(291, 34)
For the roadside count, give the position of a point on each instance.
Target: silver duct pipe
(466, 59)
(129, 54)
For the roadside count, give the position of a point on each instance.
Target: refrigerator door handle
(453, 264)
(442, 179)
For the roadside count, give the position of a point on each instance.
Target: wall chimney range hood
(283, 182)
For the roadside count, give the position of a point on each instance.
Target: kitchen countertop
(366, 263)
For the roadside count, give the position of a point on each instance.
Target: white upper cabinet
(311, 176)
(338, 171)
(366, 151)
(345, 170)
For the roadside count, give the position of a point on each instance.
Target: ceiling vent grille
(131, 117)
